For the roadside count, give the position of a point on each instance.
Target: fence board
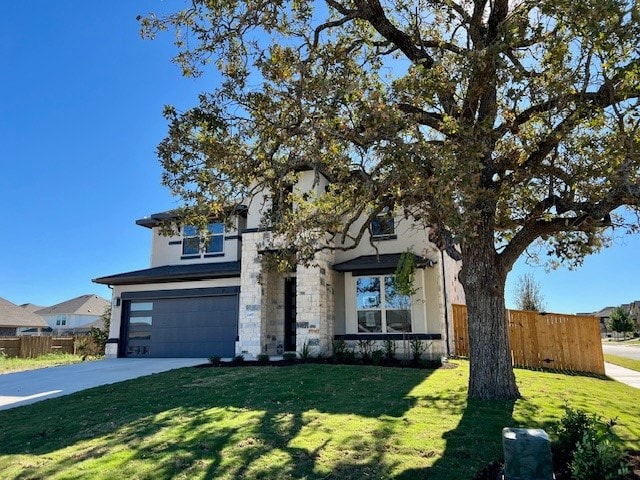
(31, 347)
(557, 341)
(460, 330)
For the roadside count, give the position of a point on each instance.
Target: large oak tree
(497, 124)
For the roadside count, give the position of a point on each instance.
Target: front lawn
(304, 421)
(623, 362)
(12, 364)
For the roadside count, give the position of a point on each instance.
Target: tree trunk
(491, 376)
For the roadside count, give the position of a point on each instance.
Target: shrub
(238, 360)
(365, 347)
(377, 357)
(389, 349)
(215, 360)
(263, 358)
(339, 347)
(99, 338)
(83, 347)
(596, 457)
(586, 446)
(418, 348)
(572, 427)
(349, 357)
(289, 357)
(305, 353)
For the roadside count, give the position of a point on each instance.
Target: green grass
(12, 364)
(623, 362)
(305, 421)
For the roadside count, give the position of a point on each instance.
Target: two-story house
(76, 315)
(222, 300)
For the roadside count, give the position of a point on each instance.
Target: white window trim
(381, 308)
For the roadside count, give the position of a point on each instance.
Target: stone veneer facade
(316, 312)
(261, 313)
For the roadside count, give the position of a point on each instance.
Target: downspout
(446, 305)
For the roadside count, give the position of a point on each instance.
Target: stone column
(250, 324)
(315, 305)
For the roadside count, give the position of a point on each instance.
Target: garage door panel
(190, 327)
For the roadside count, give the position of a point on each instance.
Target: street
(627, 351)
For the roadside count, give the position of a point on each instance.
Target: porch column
(250, 316)
(316, 306)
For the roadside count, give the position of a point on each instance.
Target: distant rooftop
(82, 305)
(12, 315)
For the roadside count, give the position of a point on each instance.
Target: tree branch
(429, 119)
(372, 11)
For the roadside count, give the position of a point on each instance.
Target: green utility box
(527, 454)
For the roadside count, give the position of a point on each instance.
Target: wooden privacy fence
(552, 340)
(31, 347)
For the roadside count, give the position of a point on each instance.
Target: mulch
(395, 363)
(494, 470)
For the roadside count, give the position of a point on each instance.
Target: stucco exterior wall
(73, 321)
(258, 206)
(410, 236)
(167, 250)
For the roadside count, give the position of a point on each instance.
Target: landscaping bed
(494, 470)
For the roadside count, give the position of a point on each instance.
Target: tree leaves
(523, 113)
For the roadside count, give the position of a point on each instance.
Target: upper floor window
(214, 240)
(61, 320)
(383, 225)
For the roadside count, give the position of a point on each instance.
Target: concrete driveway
(22, 388)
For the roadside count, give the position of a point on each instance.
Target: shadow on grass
(463, 455)
(231, 423)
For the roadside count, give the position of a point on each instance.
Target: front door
(290, 314)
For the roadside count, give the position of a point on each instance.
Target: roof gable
(11, 315)
(82, 305)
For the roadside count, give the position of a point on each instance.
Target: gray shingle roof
(174, 273)
(12, 315)
(30, 307)
(82, 305)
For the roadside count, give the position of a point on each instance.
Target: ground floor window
(380, 308)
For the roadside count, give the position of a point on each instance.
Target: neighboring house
(75, 316)
(15, 320)
(195, 302)
(30, 307)
(604, 315)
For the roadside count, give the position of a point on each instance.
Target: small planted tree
(100, 335)
(621, 322)
(405, 289)
(528, 294)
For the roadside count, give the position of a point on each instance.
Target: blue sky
(81, 97)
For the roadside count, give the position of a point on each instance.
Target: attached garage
(180, 323)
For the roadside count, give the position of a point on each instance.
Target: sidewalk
(622, 375)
